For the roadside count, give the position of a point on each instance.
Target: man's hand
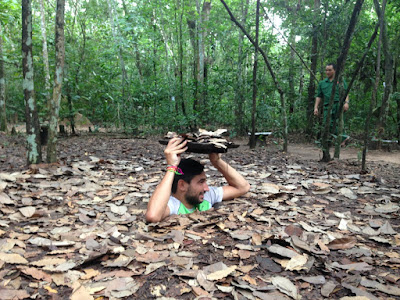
(346, 106)
(316, 105)
(214, 158)
(173, 151)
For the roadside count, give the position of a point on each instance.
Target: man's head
(192, 183)
(330, 70)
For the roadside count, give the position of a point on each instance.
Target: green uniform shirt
(325, 90)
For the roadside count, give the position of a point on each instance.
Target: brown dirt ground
(310, 152)
(12, 150)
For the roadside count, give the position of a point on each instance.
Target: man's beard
(192, 199)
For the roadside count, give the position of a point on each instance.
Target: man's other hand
(174, 149)
(346, 107)
(316, 112)
(214, 158)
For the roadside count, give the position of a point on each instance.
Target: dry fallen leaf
(8, 294)
(342, 243)
(80, 292)
(221, 273)
(297, 263)
(5, 199)
(28, 211)
(13, 258)
(286, 286)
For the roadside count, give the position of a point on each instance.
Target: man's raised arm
(237, 185)
(157, 208)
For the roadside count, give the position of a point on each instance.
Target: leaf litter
(305, 230)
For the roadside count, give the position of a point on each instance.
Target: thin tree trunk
(77, 72)
(325, 38)
(58, 79)
(397, 99)
(3, 115)
(276, 83)
(205, 16)
(301, 84)
(181, 99)
(200, 51)
(194, 42)
(178, 73)
(292, 68)
(388, 72)
(344, 96)
(372, 103)
(45, 55)
(170, 58)
(154, 70)
(314, 59)
(292, 93)
(135, 45)
(254, 106)
(340, 65)
(34, 151)
(124, 77)
(239, 95)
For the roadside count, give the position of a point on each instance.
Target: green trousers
(334, 120)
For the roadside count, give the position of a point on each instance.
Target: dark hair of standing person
(333, 65)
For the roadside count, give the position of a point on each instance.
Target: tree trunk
(371, 104)
(3, 115)
(254, 106)
(314, 59)
(292, 63)
(397, 100)
(58, 80)
(292, 93)
(71, 116)
(272, 73)
(45, 55)
(200, 51)
(135, 45)
(340, 65)
(180, 99)
(34, 151)
(124, 76)
(75, 90)
(194, 42)
(338, 140)
(205, 16)
(343, 98)
(388, 71)
(301, 84)
(240, 87)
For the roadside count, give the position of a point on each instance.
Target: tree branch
(291, 47)
(255, 45)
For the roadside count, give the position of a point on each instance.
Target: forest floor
(309, 230)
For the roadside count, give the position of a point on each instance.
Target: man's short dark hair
(333, 65)
(190, 168)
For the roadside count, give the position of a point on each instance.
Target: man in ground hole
(184, 188)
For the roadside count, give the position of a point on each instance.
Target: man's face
(330, 72)
(197, 187)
